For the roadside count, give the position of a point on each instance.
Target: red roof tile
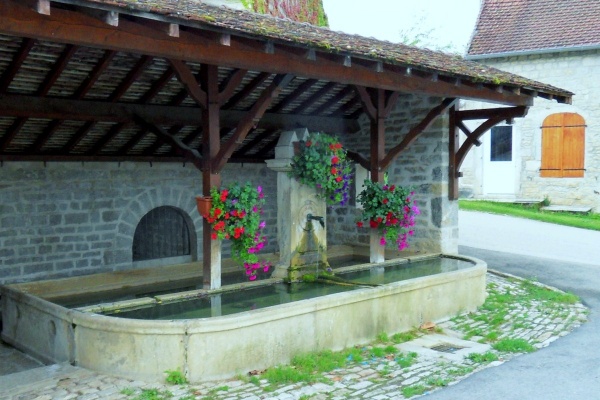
(506, 26)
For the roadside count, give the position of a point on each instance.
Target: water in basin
(264, 296)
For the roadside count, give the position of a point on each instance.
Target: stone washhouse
(115, 114)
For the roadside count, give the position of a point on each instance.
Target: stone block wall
(65, 219)
(578, 72)
(423, 166)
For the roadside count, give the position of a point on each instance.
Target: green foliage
(378, 352)
(154, 394)
(176, 377)
(406, 360)
(236, 214)
(389, 208)
(127, 391)
(322, 163)
(540, 293)
(404, 336)
(513, 346)
(383, 337)
(481, 358)
(579, 220)
(414, 390)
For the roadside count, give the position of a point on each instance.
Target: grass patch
(540, 293)
(176, 377)
(482, 358)
(406, 360)
(404, 337)
(513, 346)
(414, 390)
(584, 221)
(154, 394)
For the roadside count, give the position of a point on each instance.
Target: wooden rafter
(416, 131)
(312, 98)
(160, 141)
(189, 81)
(254, 142)
(131, 77)
(292, 97)
(246, 91)
(180, 147)
(10, 73)
(250, 119)
(157, 86)
(94, 75)
(57, 70)
(334, 100)
(230, 85)
(492, 117)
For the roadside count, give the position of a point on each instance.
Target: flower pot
(204, 204)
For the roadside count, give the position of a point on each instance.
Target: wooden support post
(453, 146)
(211, 143)
(377, 252)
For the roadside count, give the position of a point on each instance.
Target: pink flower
(266, 268)
(382, 241)
(262, 224)
(252, 277)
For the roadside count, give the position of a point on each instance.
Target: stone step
(13, 384)
(573, 209)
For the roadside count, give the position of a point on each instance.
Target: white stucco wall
(578, 72)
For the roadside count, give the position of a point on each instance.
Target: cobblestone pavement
(414, 369)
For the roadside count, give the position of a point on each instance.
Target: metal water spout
(311, 217)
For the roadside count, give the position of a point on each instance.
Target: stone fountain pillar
(302, 243)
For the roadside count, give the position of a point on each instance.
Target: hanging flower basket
(321, 162)
(391, 210)
(204, 204)
(235, 214)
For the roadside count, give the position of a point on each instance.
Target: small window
(162, 233)
(563, 146)
(501, 143)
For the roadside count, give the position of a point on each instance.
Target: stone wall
(578, 72)
(424, 167)
(64, 219)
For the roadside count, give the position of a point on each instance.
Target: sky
(446, 22)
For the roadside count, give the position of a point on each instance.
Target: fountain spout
(311, 217)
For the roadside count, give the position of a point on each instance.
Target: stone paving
(413, 370)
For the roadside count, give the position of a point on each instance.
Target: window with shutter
(563, 146)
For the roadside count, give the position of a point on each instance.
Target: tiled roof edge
(515, 53)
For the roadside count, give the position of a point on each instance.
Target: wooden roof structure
(173, 80)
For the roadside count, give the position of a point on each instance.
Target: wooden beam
(211, 177)
(131, 77)
(299, 91)
(485, 113)
(157, 86)
(377, 147)
(79, 135)
(461, 125)
(313, 98)
(416, 131)
(94, 75)
(229, 86)
(250, 119)
(67, 26)
(246, 91)
(254, 142)
(188, 153)
(188, 80)
(334, 100)
(86, 110)
(18, 60)
(453, 146)
(359, 159)
(367, 101)
(57, 70)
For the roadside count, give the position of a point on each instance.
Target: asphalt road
(566, 258)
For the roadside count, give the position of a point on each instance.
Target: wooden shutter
(552, 147)
(563, 146)
(573, 145)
